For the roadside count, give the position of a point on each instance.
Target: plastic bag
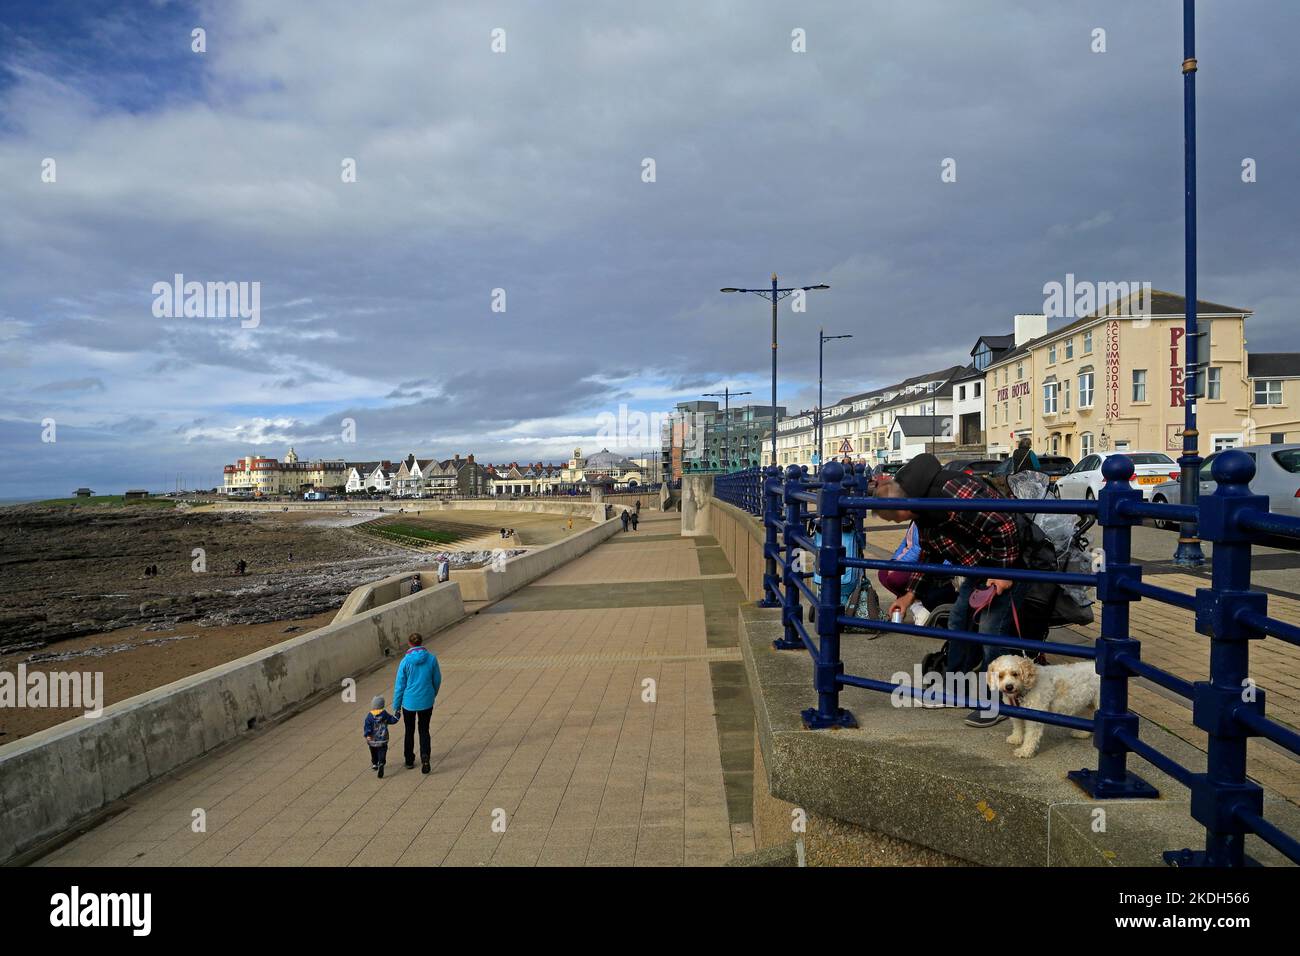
(1071, 554)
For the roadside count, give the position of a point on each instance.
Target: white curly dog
(1057, 688)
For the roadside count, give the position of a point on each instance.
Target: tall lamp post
(725, 395)
(776, 294)
(1189, 554)
(822, 339)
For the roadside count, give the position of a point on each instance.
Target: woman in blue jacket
(414, 691)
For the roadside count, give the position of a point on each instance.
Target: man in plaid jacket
(988, 539)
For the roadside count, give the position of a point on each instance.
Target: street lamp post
(776, 294)
(725, 395)
(822, 339)
(1189, 554)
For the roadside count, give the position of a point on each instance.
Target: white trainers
(919, 614)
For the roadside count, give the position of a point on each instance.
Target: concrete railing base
(921, 776)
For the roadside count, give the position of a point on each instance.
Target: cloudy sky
(522, 170)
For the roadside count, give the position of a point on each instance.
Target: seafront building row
(1110, 381)
(419, 476)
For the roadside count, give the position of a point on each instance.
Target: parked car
(885, 470)
(974, 466)
(1084, 480)
(1277, 474)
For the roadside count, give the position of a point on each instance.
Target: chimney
(1029, 327)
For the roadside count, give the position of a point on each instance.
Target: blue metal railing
(1228, 706)
(744, 489)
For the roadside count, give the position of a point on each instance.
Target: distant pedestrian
(638, 506)
(1023, 458)
(635, 520)
(503, 534)
(242, 565)
(415, 584)
(570, 523)
(376, 734)
(625, 518)
(414, 692)
(291, 557)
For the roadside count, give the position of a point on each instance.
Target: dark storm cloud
(522, 172)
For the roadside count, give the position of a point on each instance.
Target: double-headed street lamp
(725, 395)
(776, 294)
(822, 339)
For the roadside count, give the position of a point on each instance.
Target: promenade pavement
(599, 716)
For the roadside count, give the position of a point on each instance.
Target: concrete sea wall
(53, 779)
(484, 584)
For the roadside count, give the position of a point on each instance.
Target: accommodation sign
(1112, 371)
(1012, 391)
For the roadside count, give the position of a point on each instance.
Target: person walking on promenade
(570, 523)
(625, 518)
(638, 506)
(1023, 458)
(635, 520)
(966, 538)
(416, 688)
(376, 734)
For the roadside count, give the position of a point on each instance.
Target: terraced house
(429, 477)
(861, 426)
(1113, 381)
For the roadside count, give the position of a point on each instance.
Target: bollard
(829, 667)
(1112, 779)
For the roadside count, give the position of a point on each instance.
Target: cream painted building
(257, 475)
(1115, 382)
(859, 427)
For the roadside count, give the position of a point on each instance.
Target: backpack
(379, 731)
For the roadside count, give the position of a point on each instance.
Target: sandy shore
(75, 597)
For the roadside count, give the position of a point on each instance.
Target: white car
(1084, 480)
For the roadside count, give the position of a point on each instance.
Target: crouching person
(967, 538)
(416, 688)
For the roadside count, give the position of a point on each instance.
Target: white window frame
(1139, 381)
(1051, 354)
(1087, 343)
(1069, 348)
(1086, 397)
(1050, 400)
(1086, 444)
(1269, 391)
(1214, 383)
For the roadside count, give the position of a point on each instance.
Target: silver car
(1277, 474)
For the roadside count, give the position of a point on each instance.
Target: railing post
(771, 517)
(1112, 779)
(791, 609)
(829, 667)
(1224, 789)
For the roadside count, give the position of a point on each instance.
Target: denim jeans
(995, 619)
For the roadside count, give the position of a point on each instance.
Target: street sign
(846, 447)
